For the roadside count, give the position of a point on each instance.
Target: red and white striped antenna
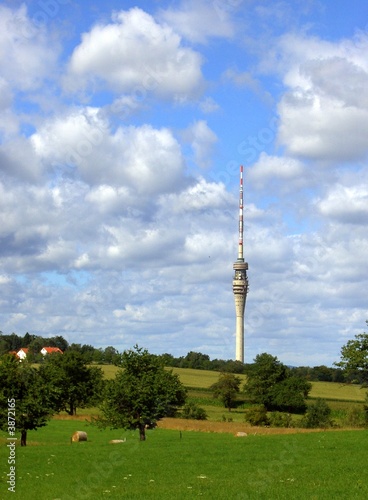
(240, 245)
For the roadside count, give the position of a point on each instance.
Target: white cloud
(136, 55)
(103, 230)
(346, 204)
(202, 195)
(202, 140)
(18, 159)
(247, 80)
(144, 159)
(199, 20)
(324, 113)
(209, 105)
(28, 54)
(273, 168)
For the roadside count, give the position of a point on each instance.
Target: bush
(194, 412)
(257, 416)
(355, 417)
(279, 419)
(317, 415)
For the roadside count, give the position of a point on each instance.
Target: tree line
(144, 391)
(34, 344)
(195, 360)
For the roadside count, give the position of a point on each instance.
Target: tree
(354, 356)
(34, 350)
(142, 393)
(196, 360)
(272, 384)
(22, 390)
(77, 385)
(226, 389)
(317, 415)
(289, 395)
(59, 342)
(111, 356)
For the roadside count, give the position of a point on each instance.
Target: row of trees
(269, 383)
(62, 383)
(141, 393)
(196, 360)
(35, 343)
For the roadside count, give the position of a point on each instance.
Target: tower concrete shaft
(240, 282)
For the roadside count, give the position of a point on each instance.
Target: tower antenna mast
(240, 281)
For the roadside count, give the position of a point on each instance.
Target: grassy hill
(203, 379)
(342, 398)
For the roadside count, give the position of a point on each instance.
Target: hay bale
(241, 434)
(117, 441)
(79, 436)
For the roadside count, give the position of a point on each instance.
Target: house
(22, 353)
(50, 350)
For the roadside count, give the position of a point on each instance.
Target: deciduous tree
(354, 356)
(30, 397)
(272, 384)
(226, 389)
(142, 393)
(77, 385)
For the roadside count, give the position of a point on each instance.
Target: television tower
(240, 281)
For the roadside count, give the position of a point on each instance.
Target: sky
(123, 127)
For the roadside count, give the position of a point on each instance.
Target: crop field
(203, 379)
(182, 465)
(338, 392)
(342, 398)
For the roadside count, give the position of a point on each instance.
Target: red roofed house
(22, 353)
(50, 350)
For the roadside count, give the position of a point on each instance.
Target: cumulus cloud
(346, 204)
(136, 54)
(28, 54)
(324, 112)
(145, 159)
(202, 19)
(105, 228)
(18, 159)
(273, 168)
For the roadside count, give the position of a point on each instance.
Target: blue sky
(123, 128)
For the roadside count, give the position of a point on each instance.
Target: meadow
(342, 398)
(181, 465)
(177, 461)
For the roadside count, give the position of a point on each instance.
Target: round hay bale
(79, 436)
(117, 441)
(241, 434)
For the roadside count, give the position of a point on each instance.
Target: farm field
(170, 464)
(203, 379)
(342, 398)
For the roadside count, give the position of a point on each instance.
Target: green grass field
(203, 379)
(170, 465)
(340, 397)
(187, 464)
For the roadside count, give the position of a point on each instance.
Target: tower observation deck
(240, 282)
